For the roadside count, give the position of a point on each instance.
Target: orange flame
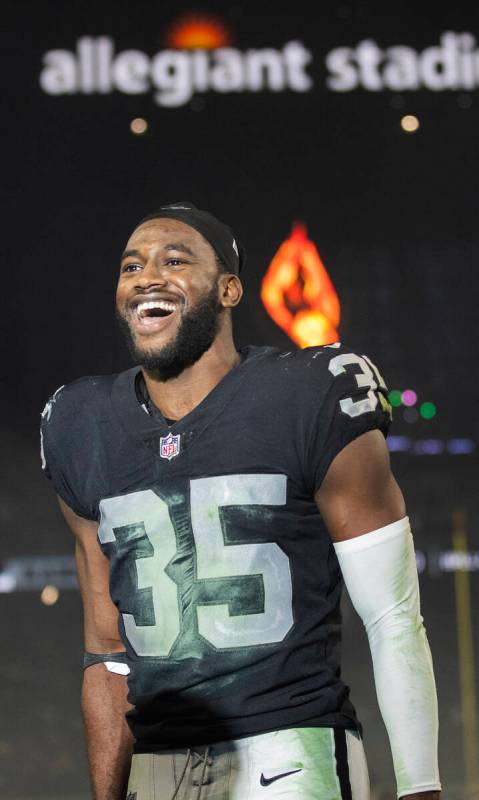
(192, 32)
(298, 293)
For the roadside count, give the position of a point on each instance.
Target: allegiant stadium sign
(175, 76)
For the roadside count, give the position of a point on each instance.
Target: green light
(428, 410)
(395, 397)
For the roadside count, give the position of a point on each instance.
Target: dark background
(394, 217)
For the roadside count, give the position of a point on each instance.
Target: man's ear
(231, 290)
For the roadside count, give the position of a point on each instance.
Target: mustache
(195, 333)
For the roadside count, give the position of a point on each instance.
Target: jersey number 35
(144, 517)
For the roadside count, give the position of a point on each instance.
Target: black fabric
(197, 535)
(341, 417)
(145, 401)
(342, 766)
(89, 659)
(220, 236)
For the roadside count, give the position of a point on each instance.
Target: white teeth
(164, 305)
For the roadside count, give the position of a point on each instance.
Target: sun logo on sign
(195, 32)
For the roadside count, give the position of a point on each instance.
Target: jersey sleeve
(355, 401)
(55, 452)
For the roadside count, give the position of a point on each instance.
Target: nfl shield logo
(169, 446)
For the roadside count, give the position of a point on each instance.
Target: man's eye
(130, 267)
(175, 262)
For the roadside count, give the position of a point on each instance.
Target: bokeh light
(410, 415)
(409, 123)
(409, 397)
(395, 397)
(138, 126)
(428, 410)
(49, 595)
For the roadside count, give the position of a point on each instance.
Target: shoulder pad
(71, 397)
(47, 411)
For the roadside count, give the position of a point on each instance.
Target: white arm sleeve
(379, 570)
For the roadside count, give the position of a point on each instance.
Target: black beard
(196, 333)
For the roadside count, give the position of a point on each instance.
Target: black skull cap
(220, 236)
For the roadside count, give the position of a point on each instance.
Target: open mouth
(153, 314)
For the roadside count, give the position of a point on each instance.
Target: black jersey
(224, 575)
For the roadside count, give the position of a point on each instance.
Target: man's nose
(152, 274)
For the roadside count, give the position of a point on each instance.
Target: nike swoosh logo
(266, 781)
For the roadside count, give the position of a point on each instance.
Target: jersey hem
(74, 507)
(148, 747)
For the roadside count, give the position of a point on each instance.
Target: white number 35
(367, 377)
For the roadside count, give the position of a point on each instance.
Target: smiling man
(218, 499)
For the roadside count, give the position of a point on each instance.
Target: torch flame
(298, 293)
(193, 31)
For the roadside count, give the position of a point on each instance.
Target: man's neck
(178, 396)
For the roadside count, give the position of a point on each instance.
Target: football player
(219, 498)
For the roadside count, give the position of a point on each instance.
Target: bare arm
(358, 495)
(108, 737)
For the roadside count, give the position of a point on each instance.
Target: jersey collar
(138, 423)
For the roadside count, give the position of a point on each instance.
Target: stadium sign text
(454, 64)
(176, 75)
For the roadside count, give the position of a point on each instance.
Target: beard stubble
(195, 335)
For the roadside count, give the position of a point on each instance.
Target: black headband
(219, 235)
